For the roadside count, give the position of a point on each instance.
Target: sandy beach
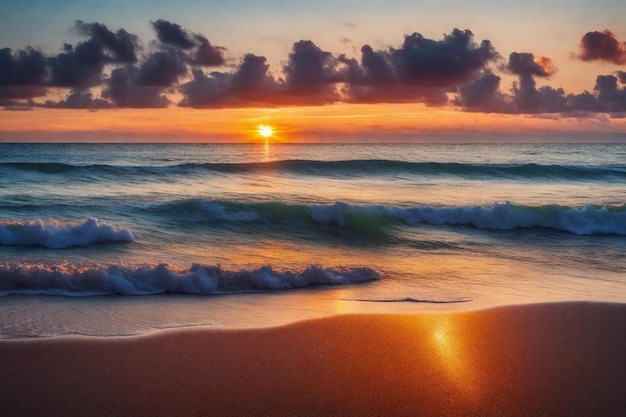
(566, 359)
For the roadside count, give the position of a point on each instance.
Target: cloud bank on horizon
(114, 70)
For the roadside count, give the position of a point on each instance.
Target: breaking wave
(54, 234)
(372, 219)
(95, 279)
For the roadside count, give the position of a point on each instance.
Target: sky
(368, 70)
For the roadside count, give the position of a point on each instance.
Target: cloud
(456, 58)
(78, 67)
(109, 68)
(22, 74)
(162, 69)
(82, 66)
(310, 71)
(250, 85)
(16, 105)
(174, 36)
(483, 95)
(125, 88)
(122, 45)
(205, 91)
(376, 68)
(611, 98)
(602, 46)
(79, 100)
(311, 75)
(421, 69)
(525, 64)
(208, 55)
(252, 78)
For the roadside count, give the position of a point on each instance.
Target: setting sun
(266, 131)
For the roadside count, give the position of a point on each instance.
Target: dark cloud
(455, 59)
(424, 62)
(162, 69)
(25, 67)
(602, 46)
(205, 90)
(526, 64)
(252, 77)
(376, 79)
(16, 105)
(122, 45)
(454, 69)
(125, 89)
(377, 68)
(173, 35)
(79, 100)
(22, 92)
(82, 66)
(483, 95)
(611, 97)
(207, 54)
(310, 71)
(23, 74)
(526, 97)
(250, 85)
(422, 69)
(78, 67)
(394, 93)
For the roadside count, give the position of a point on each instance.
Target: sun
(266, 131)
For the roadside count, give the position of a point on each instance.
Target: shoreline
(312, 318)
(553, 359)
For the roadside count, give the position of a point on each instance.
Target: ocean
(127, 239)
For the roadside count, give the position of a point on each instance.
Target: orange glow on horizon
(349, 122)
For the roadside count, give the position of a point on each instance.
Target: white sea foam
(589, 220)
(55, 234)
(95, 279)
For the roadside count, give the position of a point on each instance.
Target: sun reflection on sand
(449, 348)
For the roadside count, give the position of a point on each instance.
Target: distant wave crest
(372, 219)
(344, 167)
(55, 234)
(95, 279)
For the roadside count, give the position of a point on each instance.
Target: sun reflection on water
(267, 155)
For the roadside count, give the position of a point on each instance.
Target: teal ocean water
(121, 239)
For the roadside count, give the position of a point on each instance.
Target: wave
(345, 167)
(373, 219)
(381, 166)
(55, 234)
(94, 279)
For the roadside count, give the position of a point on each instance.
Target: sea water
(122, 239)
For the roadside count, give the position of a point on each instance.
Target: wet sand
(566, 359)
